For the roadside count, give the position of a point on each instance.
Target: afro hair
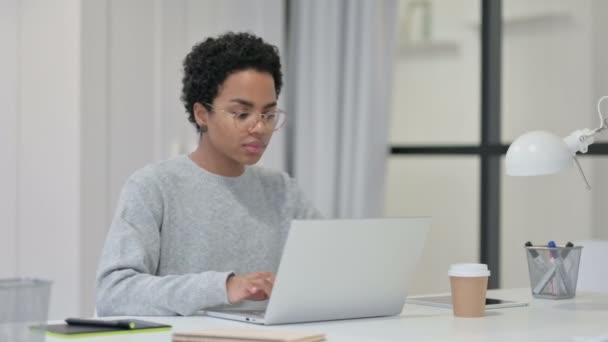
(210, 62)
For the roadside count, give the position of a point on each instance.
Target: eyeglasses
(272, 120)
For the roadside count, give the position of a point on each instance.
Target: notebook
(340, 269)
(246, 335)
(76, 331)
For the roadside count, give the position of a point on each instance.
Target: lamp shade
(538, 153)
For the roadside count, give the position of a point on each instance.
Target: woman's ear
(200, 114)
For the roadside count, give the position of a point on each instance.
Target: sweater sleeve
(127, 283)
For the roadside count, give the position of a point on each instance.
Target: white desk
(543, 320)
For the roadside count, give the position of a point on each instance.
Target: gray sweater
(179, 231)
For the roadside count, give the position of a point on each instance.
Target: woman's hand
(252, 286)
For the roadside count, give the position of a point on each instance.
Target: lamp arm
(603, 121)
(582, 173)
(580, 140)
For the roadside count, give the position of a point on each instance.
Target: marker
(121, 324)
(535, 256)
(532, 252)
(567, 250)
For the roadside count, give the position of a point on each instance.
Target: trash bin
(553, 271)
(24, 304)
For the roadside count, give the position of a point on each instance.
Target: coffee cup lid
(468, 270)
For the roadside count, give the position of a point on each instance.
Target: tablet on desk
(446, 302)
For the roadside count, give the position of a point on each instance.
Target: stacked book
(249, 335)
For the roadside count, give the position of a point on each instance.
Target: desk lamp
(540, 153)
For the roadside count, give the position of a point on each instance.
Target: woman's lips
(254, 148)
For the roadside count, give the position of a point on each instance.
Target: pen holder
(24, 304)
(553, 271)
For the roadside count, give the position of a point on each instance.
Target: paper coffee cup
(469, 283)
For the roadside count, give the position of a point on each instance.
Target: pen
(561, 272)
(551, 244)
(122, 324)
(533, 253)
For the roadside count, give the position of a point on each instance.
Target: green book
(80, 331)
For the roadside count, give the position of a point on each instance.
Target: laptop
(341, 269)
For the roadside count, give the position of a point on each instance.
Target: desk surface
(574, 319)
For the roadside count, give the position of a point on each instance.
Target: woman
(207, 229)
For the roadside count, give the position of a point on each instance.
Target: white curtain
(340, 76)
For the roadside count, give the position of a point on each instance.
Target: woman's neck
(208, 158)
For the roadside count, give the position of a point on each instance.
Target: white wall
(8, 137)
(48, 147)
(94, 126)
(599, 183)
(600, 88)
(132, 78)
